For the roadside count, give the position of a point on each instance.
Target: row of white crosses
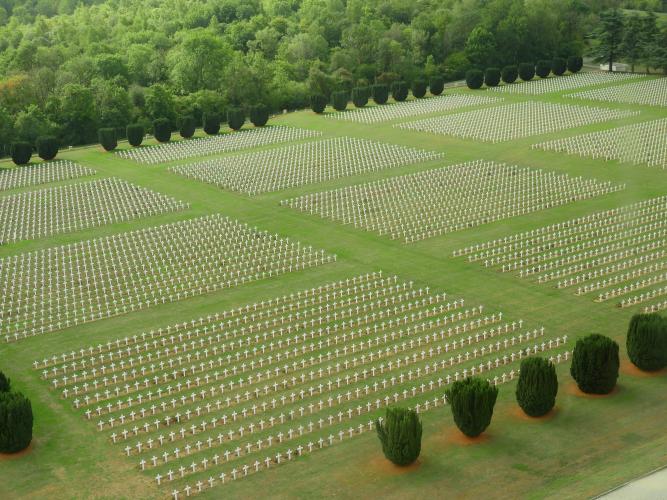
(439, 104)
(60, 287)
(613, 253)
(433, 202)
(641, 143)
(300, 164)
(515, 121)
(565, 82)
(204, 146)
(646, 92)
(660, 306)
(63, 209)
(44, 173)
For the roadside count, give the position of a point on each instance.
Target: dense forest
(69, 67)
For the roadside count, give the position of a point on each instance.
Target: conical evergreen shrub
(537, 387)
(401, 435)
(317, 103)
(595, 364)
(135, 134)
(380, 93)
(15, 422)
(472, 401)
(647, 341)
(436, 85)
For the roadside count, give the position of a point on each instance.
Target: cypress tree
(4, 383)
(259, 115)
(135, 134)
(436, 85)
(211, 122)
(188, 126)
(509, 74)
(401, 435)
(474, 79)
(492, 77)
(380, 93)
(47, 147)
(646, 341)
(574, 64)
(360, 96)
(21, 153)
(107, 138)
(419, 87)
(543, 68)
(537, 387)
(399, 91)
(15, 422)
(339, 100)
(317, 103)
(558, 66)
(472, 401)
(595, 364)
(235, 118)
(526, 71)
(162, 130)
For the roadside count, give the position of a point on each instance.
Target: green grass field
(589, 446)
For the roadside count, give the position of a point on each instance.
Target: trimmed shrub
(135, 134)
(360, 96)
(543, 68)
(21, 153)
(107, 138)
(259, 115)
(162, 130)
(401, 435)
(47, 147)
(188, 126)
(419, 87)
(472, 401)
(647, 342)
(317, 103)
(558, 66)
(509, 74)
(399, 91)
(339, 100)
(474, 79)
(436, 85)
(235, 118)
(526, 71)
(211, 123)
(574, 64)
(537, 387)
(595, 364)
(4, 383)
(492, 77)
(15, 422)
(380, 93)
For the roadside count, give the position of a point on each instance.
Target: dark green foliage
(574, 64)
(235, 118)
(21, 153)
(472, 401)
(4, 383)
(543, 68)
(188, 126)
(107, 138)
(399, 91)
(135, 134)
(211, 123)
(401, 435)
(595, 364)
(510, 74)
(526, 71)
(259, 115)
(492, 77)
(419, 87)
(360, 96)
(380, 93)
(15, 422)
(436, 85)
(537, 387)
(317, 103)
(474, 79)
(339, 100)
(647, 341)
(47, 147)
(162, 130)
(558, 66)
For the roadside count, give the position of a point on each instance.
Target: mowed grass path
(589, 446)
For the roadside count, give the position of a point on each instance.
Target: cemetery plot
(203, 146)
(640, 143)
(386, 112)
(53, 171)
(212, 400)
(560, 83)
(60, 287)
(647, 92)
(430, 203)
(514, 121)
(36, 214)
(617, 256)
(301, 164)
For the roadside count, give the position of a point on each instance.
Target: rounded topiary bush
(21, 152)
(380, 93)
(259, 115)
(474, 79)
(16, 422)
(537, 386)
(558, 66)
(47, 147)
(436, 85)
(211, 123)
(360, 96)
(188, 126)
(317, 103)
(526, 71)
(543, 68)
(401, 435)
(646, 341)
(509, 74)
(472, 401)
(235, 118)
(135, 134)
(107, 138)
(339, 100)
(492, 77)
(162, 130)
(595, 364)
(419, 87)
(574, 64)
(399, 91)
